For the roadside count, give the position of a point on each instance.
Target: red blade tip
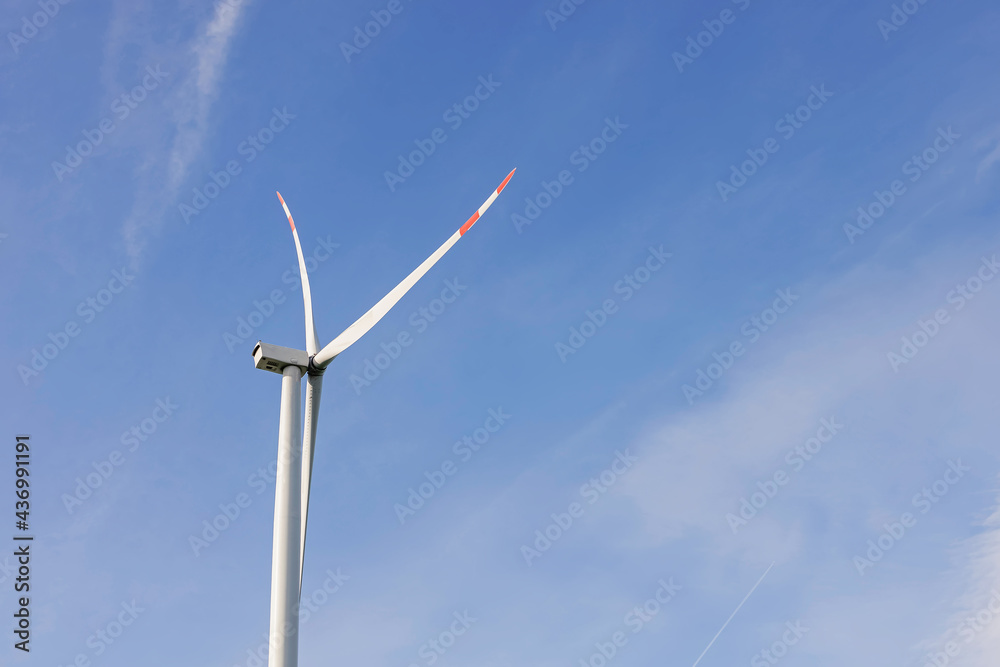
(506, 180)
(291, 223)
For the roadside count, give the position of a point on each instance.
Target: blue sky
(835, 384)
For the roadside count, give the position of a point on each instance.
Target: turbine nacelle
(275, 358)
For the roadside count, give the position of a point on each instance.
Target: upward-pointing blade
(378, 311)
(312, 342)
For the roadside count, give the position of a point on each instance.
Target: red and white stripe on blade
(378, 311)
(312, 342)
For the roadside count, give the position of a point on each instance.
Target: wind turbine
(295, 459)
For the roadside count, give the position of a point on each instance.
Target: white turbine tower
(291, 495)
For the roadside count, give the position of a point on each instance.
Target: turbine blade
(312, 342)
(378, 311)
(314, 388)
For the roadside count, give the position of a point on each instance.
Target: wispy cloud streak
(167, 163)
